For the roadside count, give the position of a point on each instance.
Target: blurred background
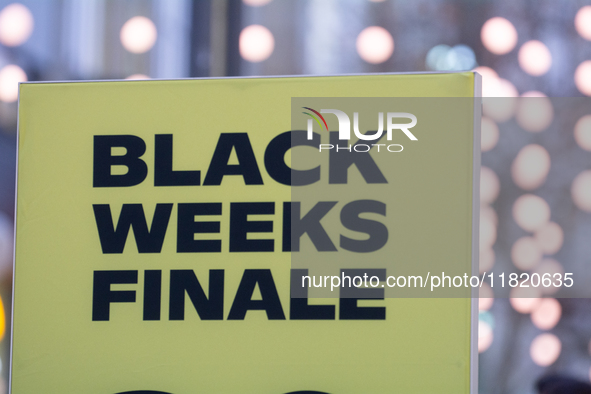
(536, 174)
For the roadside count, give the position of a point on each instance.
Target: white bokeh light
(498, 35)
(525, 253)
(534, 113)
(16, 24)
(489, 134)
(581, 191)
(530, 168)
(485, 336)
(549, 238)
(375, 44)
(137, 77)
(583, 132)
(531, 212)
(256, 3)
(138, 34)
(545, 349)
(10, 76)
(550, 267)
(583, 22)
(489, 185)
(256, 43)
(583, 77)
(547, 314)
(535, 58)
(499, 99)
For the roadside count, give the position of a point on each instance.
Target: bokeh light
(545, 349)
(547, 314)
(485, 336)
(533, 93)
(488, 235)
(551, 267)
(256, 3)
(499, 102)
(550, 238)
(137, 77)
(525, 299)
(498, 35)
(16, 24)
(445, 58)
(10, 76)
(375, 44)
(534, 113)
(485, 297)
(489, 185)
(138, 34)
(531, 212)
(535, 58)
(580, 190)
(583, 77)
(487, 259)
(583, 132)
(525, 253)
(256, 43)
(489, 134)
(583, 22)
(530, 167)
(489, 78)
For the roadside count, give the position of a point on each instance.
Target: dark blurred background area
(536, 174)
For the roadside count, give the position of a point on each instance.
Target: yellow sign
(155, 238)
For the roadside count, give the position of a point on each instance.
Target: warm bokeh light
(487, 259)
(583, 22)
(256, 43)
(531, 212)
(489, 185)
(549, 238)
(533, 93)
(488, 235)
(488, 213)
(489, 134)
(534, 113)
(256, 3)
(10, 76)
(525, 253)
(583, 77)
(583, 132)
(489, 79)
(498, 35)
(137, 76)
(525, 299)
(375, 44)
(580, 190)
(535, 58)
(16, 24)
(551, 267)
(547, 314)
(485, 336)
(138, 34)
(530, 167)
(499, 102)
(545, 349)
(485, 297)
